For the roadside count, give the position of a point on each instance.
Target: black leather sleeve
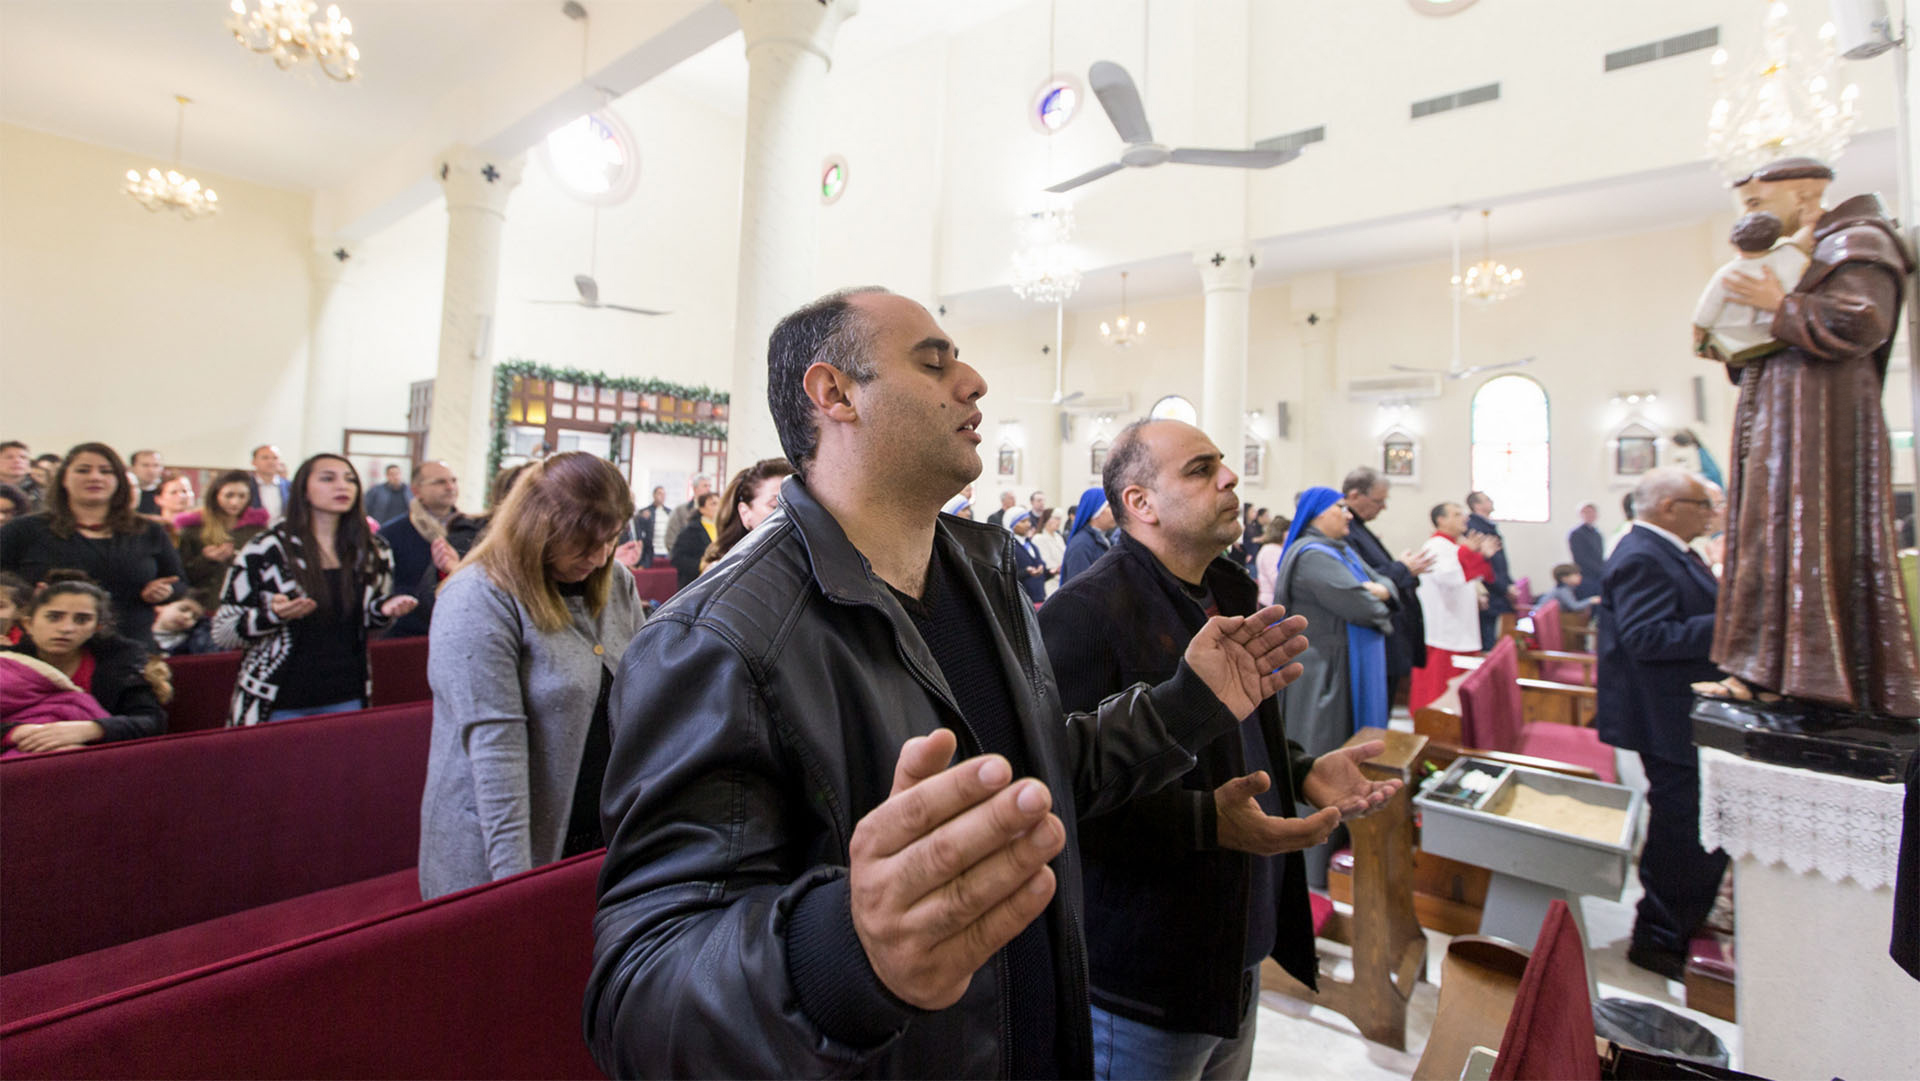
(692, 971)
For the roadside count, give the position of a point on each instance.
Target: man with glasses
(1366, 491)
(1656, 629)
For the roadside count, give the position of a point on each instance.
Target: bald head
(1675, 500)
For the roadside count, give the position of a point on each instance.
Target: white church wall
(138, 329)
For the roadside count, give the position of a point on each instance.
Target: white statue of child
(1727, 330)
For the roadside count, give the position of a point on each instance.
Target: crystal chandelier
(170, 190)
(1043, 268)
(1487, 282)
(1123, 330)
(1783, 104)
(286, 30)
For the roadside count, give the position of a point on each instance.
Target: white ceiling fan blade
(1121, 99)
(589, 289)
(636, 311)
(1476, 370)
(1238, 159)
(1087, 177)
(1419, 371)
(1071, 397)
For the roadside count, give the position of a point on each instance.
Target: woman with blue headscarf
(1349, 612)
(1091, 537)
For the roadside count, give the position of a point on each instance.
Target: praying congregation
(1231, 539)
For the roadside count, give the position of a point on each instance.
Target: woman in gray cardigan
(525, 638)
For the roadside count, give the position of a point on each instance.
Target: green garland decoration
(504, 375)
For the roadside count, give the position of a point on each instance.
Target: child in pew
(69, 645)
(182, 628)
(14, 594)
(1566, 584)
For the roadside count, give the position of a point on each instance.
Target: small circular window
(833, 179)
(594, 158)
(1055, 104)
(1174, 407)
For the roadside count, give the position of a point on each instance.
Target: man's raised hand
(949, 869)
(1244, 827)
(1246, 659)
(1336, 782)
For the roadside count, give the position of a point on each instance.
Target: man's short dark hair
(1129, 462)
(134, 458)
(12, 443)
(827, 331)
(1439, 511)
(1474, 497)
(1362, 480)
(42, 459)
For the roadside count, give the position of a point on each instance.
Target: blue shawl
(1366, 647)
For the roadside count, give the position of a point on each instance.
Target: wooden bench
(483, 983)
(1389, 948)
(131, 861)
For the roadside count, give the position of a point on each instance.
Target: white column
(789, 45)
(1320, 416)
(329, 349)
(477, 185)
(1226, 277)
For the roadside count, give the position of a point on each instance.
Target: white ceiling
(1620, 205)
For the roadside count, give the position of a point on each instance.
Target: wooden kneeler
(1389, 948)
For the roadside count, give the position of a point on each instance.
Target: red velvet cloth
(1546, 631)
(399, 670)
(1550, 1032)
(656, 583)
(202, 691)
(1491, 718)
(1430, 682)
(130, 964)
(483, 983)
(117, 842)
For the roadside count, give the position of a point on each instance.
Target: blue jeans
(348, 706)
(1124, 1049)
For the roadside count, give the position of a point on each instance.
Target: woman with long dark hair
(226, 524)
(90, 526)
(70, 680)
(301, 598)
(749, 500)
(526, 635)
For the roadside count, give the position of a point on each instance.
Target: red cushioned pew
(203, 684)
(131, 861)
(483, 983)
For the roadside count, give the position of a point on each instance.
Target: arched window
(1174, 407)
(1510, 454)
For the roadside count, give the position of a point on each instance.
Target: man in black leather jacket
(797, 884)
(1211, 864)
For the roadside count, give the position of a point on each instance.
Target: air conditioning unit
(1403, 387)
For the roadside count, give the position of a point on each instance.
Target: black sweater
(119, 685)
(122, 565)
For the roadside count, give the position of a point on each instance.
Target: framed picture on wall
(1400, 456)
(1097, 457)
(1009, 467)
(1253, 461)
(1636, 449)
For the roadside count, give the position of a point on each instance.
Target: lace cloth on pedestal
(1841, 827)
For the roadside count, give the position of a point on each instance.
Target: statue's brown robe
(1811, 601)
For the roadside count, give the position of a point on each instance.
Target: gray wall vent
(1660, 50)
(1458, 100)
(1294, 140)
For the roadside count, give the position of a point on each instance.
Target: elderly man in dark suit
(1366, 491)
(1658, 599)
(1589, 550)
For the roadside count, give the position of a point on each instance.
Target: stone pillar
(1226, 278)
(1320, 419)
(789, 44)
(477, 185)
(331, 269)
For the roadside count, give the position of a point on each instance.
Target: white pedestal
(1813, 866)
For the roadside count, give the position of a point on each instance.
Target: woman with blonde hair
(750, 499)
(526, 635)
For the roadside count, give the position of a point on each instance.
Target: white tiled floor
(1299, 1042)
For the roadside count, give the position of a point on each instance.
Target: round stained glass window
(1055, 104)
(833, 179)
(594, 158)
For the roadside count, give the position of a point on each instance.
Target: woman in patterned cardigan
(301, 598)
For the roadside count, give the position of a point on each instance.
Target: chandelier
(1783, 104)
(1123, 330)
(1043, 268)
(286, 30)
(1487, 282)
(170, 190)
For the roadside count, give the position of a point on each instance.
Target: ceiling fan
(584, 284)
(1455, 369)
(1121, 100)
